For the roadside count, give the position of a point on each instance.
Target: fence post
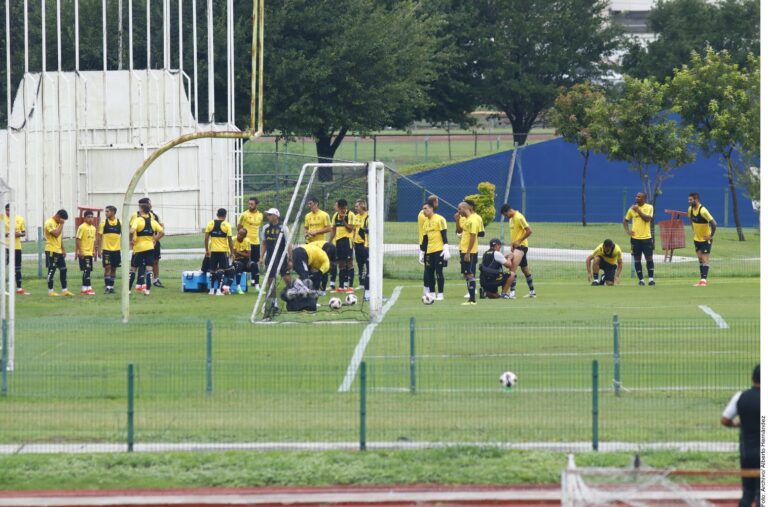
(475, 133)
(356, 140)
(426, 148)
(208, 357)
(616, 358)
(363, 378)
(4, 361)
(498, 143)
(374, 148)
(523, 200)
(413, 355)
(130, 407)
(594, 404)
(39, 252)
(725, 207)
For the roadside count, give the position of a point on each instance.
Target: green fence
(427, 383)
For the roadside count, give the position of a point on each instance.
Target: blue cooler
(194, 281)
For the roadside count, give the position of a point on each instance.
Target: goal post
(303, 188)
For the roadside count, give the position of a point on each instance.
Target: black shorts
(469, 268)
(55, 260)
(301, 263)
(701, 246)
(255, 253)
(361, 253)
(343, 249)
(492, 284)
(17, 255)
(609, 269)
(111, 258)
(145, 258)
(156, 256)
(219, 260)
(435, 260)
(524, 260)
(642, 247)
(86, 263)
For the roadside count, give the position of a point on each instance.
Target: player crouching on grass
(84, 241)
(312, 263)
(607, 256)
(218, 247)
(492, 275)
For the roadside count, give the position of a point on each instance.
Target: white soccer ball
(427, 299)
(334, 303)
(350, 300)
(508, 379)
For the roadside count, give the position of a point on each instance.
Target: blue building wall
(546, 186)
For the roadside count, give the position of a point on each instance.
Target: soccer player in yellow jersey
(641, 215)
(468, 248)
(241, 261)
(606, 256)
(312, 261)
(433, 252)
(251, 220)
(19, 231)
(435, 202)
(316, 223)
(55, 254)
(144, 235)
(85, 239)
(342, 235)
(361, 245)
(219, 248)
(519, 232)
(704, 227)
(108, 247)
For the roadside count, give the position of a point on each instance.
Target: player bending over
(606, 257)
(492, 275)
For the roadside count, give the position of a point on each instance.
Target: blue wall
(547, 186)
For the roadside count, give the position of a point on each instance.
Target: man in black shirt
(746, 405)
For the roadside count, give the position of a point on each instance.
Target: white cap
(273, 211)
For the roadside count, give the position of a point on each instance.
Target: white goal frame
(375, 231)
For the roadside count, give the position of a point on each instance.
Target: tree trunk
(326, 146)
(584, 189)
(521, 126)
(732, 187)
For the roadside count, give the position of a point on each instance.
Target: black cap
(495, 241)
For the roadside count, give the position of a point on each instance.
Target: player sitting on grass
(607, 256)
(492, 275)
(242, 259)
(85, 239)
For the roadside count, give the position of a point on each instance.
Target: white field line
(89, 447)
(554, 354)
(357, 355)
(721, 323)
(523, 390)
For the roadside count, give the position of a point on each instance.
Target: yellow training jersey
(86, 233)
(145, 227)
(52, 244)
(472, 225)
(251, 221)
(433, 227)
(420, 219)
(317, 258)
(341, 230)
(700, 220)
(640, 227)
(243, 246)
(314, 221)
(20, 227)
(110, 235)
(361, 222)
(517, 226)
(610, 259)
(218, 231)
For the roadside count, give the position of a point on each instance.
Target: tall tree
(571, 117)
(717, 98)
(637, 129)
(346, 65)
(526, 49)
(683, 26)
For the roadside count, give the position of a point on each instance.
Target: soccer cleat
(146, 292)
(140, 288)
(211, 292)
(700, 283)
(239, 290)
(466, 296)
(349, 290)
(83, 292)
(158, 283)
(257, 287)
(219, 293)
(66, 293)
(531, 295)
(340, 289)
(651, 282)
(641, 283)
(53, 293)
(22, 292)
(440, 297)
(595, 283)
(107, 290)
(321, 293)
(333, 286)
(512, 295)
(468, 303)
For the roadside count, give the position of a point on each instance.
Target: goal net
(323, 261)
(632, 486)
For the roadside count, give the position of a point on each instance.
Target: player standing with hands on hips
(641, 215)
(704, 227)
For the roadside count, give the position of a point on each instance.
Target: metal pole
(130, 407)
(149, 53)
(194, 55)
(211, 95)
(426, 149)
(39, 252)
(104, 36)
(413, 355)
(523, 200)
(120, 35)
(725, 207)
(595, 399)
(208, 357)
(616, 360)
(374, 147)
(363, 378)
(4, 361)
(77, 36)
